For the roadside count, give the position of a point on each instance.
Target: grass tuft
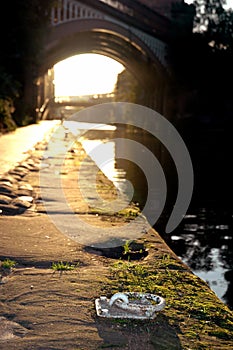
(8, 264)
(63, 266)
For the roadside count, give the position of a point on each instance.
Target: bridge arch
(139, 52)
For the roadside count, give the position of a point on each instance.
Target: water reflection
(203, 240)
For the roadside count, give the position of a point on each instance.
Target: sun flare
(86, 74)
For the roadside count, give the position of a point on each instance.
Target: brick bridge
(135, 33)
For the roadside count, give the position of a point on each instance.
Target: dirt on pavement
(43, 307)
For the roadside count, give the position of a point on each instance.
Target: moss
(129, 212)
(191, 307)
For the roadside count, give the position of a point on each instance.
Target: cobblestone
(16, 193)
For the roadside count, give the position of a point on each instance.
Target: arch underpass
(85, 29)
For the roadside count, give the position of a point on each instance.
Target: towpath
(47, 299)
(15, 145)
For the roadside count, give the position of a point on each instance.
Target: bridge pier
(29, 94)
(157, 93)
(45, 93)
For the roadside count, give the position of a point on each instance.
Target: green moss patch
(198, 317)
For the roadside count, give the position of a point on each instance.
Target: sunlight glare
(86, 74)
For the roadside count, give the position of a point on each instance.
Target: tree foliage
(214, 22)
(127, 88)
(207, 11)
(201, 61)
(23, 25)
(23, 34)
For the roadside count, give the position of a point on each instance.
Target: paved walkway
(16, 144)
(41, 308)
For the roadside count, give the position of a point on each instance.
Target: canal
(203, 239)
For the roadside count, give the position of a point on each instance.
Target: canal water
(203, 239)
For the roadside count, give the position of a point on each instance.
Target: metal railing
(130, 12)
